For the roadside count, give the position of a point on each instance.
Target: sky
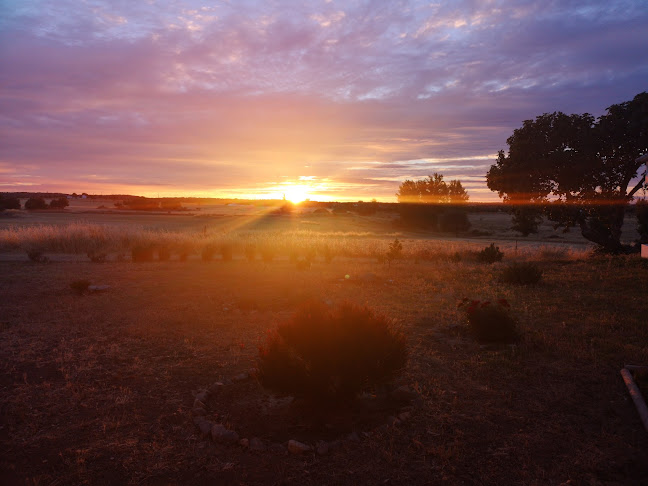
(329, 99)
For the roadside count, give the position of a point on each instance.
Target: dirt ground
(98, 389)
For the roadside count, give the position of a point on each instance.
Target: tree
(59, 203)
(433, 189)
(576, 168)
(9, 203)
(35, 203)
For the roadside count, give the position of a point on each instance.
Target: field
(99, 388)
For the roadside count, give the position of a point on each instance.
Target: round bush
(330, 354)
(521, 274)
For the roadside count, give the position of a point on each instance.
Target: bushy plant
(96, 257)
(395, 251)
(36, 255)
(208, 253)
(490, 254)
(490, 322)
(80, 286)
(9, 203)
(164, 254)
(250, 252)
(226, 252)
(142, 253)
(59, 203)
(35, 203)
(330, 354)
(521, 274)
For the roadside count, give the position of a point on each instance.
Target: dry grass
(97, 389)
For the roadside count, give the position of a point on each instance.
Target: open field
(98, 389)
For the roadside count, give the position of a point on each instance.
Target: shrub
(250, 252)
(330, 354)
(164, 254)
(522, 274)
(226, 252)
(267, 254)
(35, 203)
(80, 286)
(37, 256)
(490, 254)
(454, 220)
(9, 203)
(96, 257)
(142, 253)
(208, 253)
(395, 251)
(490, 322)
(59, 203)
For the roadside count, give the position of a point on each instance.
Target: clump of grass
(36, 255)
(80, 286)
(97, 257)
(524, 273)
(395, 251)
(490, 254)
(208, 253)
(142, 253)
(490, 322)
(226, 251)
(330, 354)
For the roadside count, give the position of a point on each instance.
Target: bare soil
(97, 389)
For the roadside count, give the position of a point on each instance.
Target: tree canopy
(432, 189)
(577, 168)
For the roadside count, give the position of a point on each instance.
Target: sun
(296, 194)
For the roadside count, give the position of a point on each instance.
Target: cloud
(241, 93)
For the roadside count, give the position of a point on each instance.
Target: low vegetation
(491, 322)
(330, 354)
(521, 273)
(490, 254)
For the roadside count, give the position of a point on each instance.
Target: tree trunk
(603, 227)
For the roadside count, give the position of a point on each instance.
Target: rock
(296, 447)
(198, 404)
(197, 412)
(244, 443)
(403, 394)
(204, 425)
(221, 435)
(257, 444)
(322, 448)
(240, 377)
(404, 416)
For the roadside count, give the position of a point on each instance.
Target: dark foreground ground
(97, 389)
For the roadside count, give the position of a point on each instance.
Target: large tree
(432, 189)
(577, 168)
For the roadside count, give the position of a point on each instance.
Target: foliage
(490, 254)
(576, 168)
(330, 354)
(525, 219)
(454, 220)
(80, 286)
(96, 257)
(395, 251)
(490, 322)
(35, 203)
(419, 215)
(226, 251)
(164, 254)
(9, 203)
(142, 253)
(641, 210)
(208, 253)
(522, 274)
(36, 255)
(59, 203)
(250, 252)
(433, 189)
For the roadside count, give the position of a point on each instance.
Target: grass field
(98, 389)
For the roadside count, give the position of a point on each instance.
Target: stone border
(220, 434)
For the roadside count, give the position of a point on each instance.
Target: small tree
(432, 190)
(35, 203)
(59, 203)
(9, 203)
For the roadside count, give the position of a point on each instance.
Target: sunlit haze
(326, 100)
